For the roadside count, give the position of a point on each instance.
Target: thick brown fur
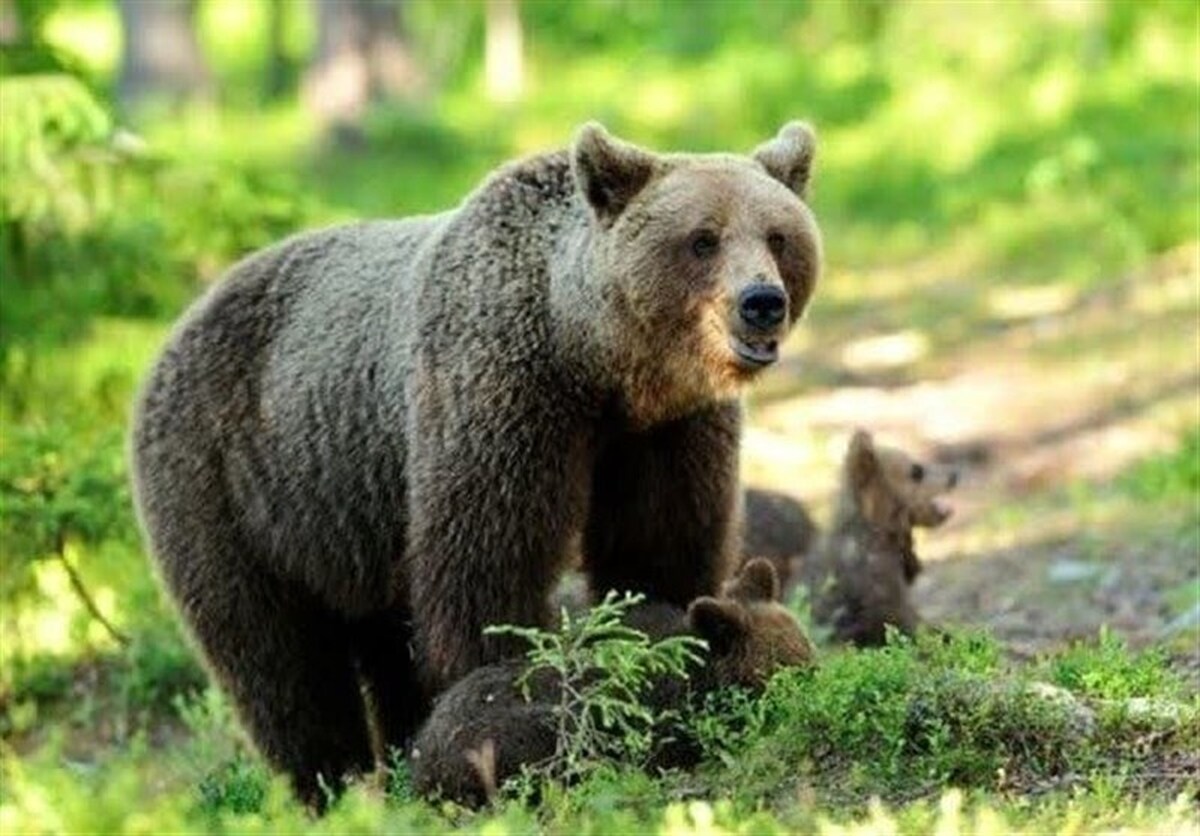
(862, 573)
(749, 634)
(387, 435)
(778, 527)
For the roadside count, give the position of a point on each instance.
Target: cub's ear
(789, 156)
(861, 464)
(719, 622)
(757, 581)
(608, 172)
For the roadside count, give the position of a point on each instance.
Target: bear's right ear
(757, 581)
(789, 156)
(720, 622)
(608, 172)
(861, 464)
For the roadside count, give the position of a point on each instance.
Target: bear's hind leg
(286, 662)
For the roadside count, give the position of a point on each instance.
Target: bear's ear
(861, 464)
(719, 622)
(789, 156)
(757, 581)
(608, 172)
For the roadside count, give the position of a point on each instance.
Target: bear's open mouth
(756, 354)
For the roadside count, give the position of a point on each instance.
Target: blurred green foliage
(912, 717)
(49, 496)
(1107, 670)
(92, 224)
(1171, 476)
(52, 152)
(963, 147)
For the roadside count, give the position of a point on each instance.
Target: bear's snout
(760, 314)
(762, 307)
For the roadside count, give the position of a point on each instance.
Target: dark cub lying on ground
(483, 730)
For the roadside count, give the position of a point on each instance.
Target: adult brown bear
(368, 442)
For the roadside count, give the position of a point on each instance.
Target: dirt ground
(1040, 402)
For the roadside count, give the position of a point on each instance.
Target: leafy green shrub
(59, 155)
(731, 720)
(965, 729)
(1174, 475)
(913, 716)
(236, 786)
(40, 678)
(55, 486)
(226, 776)
(849, 707)
(1107, 669)
(25, 685)
(52, 498)
(964, 650)
(93, 222)
(601, 669)
(159, 667)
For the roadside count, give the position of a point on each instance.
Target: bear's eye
(777, 243)
(917, 472)
(705, 243)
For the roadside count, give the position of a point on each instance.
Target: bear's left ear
(719, 622)
(608, 172)
(757, 581)
(861, 464)
(789, 156)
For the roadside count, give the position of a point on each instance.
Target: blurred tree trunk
(503, 57)
(362, 53)
(162, 57)
(279, 69)
(10, 23)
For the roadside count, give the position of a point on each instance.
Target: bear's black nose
(762, 306)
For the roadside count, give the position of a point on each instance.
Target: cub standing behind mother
(390, 434)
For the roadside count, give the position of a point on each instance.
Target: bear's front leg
(494, 496)
(664, 505)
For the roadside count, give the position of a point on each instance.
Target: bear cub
(483, 731)
(859, 573)
(866, 565)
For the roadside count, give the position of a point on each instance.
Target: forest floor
(1042, 407)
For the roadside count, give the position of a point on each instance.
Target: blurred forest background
(1009, 193)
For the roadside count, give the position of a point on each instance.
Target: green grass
(906, 720)
(1174, 476)
(898, 724)
(1050, 147)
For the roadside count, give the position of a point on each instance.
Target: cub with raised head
(483, 731)
(862, 571)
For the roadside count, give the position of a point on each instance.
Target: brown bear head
(891, 489)
(703, 261)
(750, 635)
(887, 492)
